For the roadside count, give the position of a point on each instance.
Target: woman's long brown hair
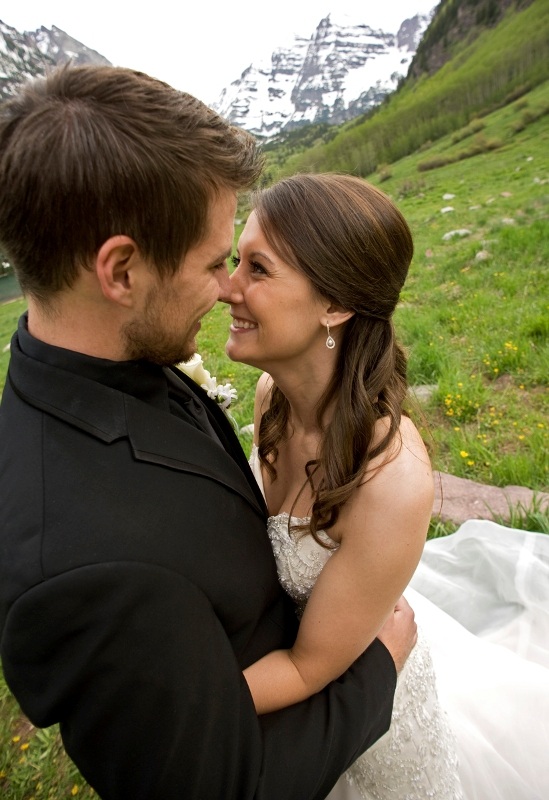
(353, 244)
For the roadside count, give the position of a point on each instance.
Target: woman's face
(278, 318)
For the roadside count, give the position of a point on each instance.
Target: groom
(136, 577)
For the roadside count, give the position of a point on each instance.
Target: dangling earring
(330, 341)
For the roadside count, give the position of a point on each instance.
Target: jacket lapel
(155, 436)
(162, 439)
(223, 428)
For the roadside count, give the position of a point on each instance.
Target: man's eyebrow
(222, 257)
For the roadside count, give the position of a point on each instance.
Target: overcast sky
(199, 47)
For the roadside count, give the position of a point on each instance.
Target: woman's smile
(239, 324)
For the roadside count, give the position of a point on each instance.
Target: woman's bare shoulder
(395, 500)
(406, 450)
(263, 390)
(262, 400)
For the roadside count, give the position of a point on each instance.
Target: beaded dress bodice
(299, 558)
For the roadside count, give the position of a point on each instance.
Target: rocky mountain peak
(344, 69)
(29, 54)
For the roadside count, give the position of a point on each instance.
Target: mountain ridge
(29, 54)
(343, 70)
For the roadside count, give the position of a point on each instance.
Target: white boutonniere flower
(222, 393)
(194, 368)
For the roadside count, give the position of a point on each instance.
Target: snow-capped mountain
(30, 54)
(343, 70)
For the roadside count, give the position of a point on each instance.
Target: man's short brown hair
(92, 152)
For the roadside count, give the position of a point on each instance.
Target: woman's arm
(382, 531)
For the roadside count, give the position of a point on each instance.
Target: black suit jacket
(136, 582)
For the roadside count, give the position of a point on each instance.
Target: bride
(349, 488)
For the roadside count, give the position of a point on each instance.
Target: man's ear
(119, 266)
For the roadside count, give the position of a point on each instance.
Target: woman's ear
(335, 315)
(119, 266)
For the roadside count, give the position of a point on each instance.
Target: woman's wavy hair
(353, 244)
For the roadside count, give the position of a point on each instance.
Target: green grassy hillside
(475, 310)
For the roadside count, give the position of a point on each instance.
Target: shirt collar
(141, 379)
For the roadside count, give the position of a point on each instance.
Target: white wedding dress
(481, 598)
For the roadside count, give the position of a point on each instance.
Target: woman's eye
(254, 267)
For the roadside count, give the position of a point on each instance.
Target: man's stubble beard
(145, 339)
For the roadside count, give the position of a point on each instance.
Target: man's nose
(229, 287)
(224, 285)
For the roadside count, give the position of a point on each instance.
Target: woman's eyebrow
(260, 253)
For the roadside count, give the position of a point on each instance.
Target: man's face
(165, 327)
